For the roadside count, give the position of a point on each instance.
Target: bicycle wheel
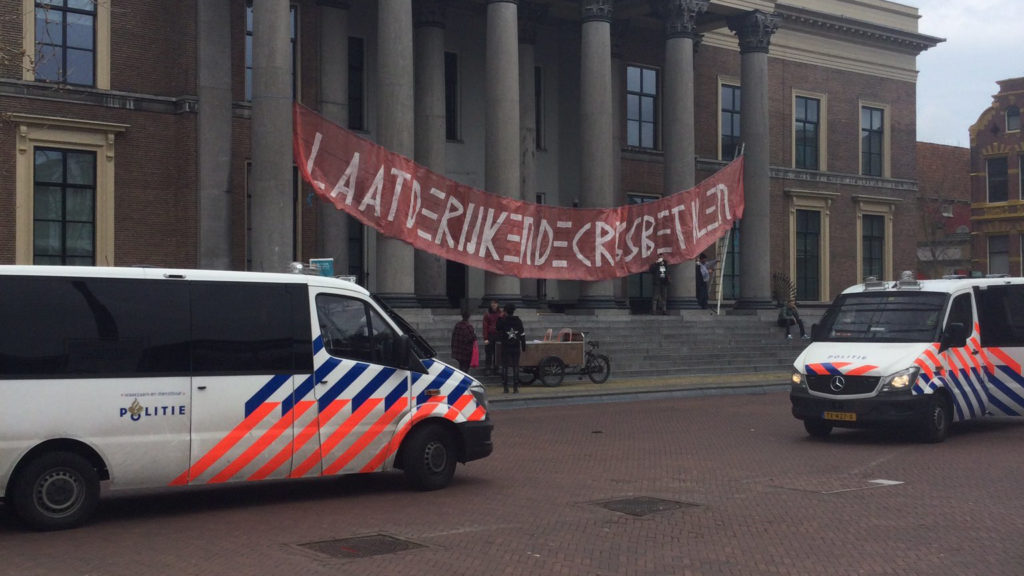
(598, 368)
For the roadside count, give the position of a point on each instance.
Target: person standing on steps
(490, 324)
(703, 278)
(463, 338)
(659, 273)
(512, 336)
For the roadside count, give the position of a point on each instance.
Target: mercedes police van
(146, 377)
(917, 354)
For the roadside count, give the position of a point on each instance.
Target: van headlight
(900, 381)
(798, 380)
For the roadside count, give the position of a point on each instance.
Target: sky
(957, 78)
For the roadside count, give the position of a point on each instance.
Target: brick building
(158, 132)
(944, 210)
(997, 184)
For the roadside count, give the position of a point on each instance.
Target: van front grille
(848, 386)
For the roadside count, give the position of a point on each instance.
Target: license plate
(842, 416)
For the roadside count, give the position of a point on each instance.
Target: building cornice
(93, 97)
(858, 30)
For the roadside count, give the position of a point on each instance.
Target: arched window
(1013, 119)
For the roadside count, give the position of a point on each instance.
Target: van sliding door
(250, 345)
(1001, 312)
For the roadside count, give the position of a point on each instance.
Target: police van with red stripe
(147, 377)
(919, 354)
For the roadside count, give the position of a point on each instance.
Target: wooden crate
(571, 353)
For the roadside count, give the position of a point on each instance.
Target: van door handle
(975, 352)
(201, 387)
(322, 382)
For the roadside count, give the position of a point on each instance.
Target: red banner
(401, 199)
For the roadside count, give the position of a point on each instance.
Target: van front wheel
(937, 420)
(55, 491)
(429, 458)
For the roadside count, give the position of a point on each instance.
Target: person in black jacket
(512, 338)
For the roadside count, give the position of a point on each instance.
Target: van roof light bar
(907, 281)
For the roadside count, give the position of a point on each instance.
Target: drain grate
(643, 505)
(361, 546)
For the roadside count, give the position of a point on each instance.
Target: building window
(808, 254)
(996, 173)
(872, 140)
(64, 207)
(1013, 119)
(249, 53)
(538, 106)
(730, 122)
(451, 96)
(641, 107)
(357, 83)
(998, 255)
(807, 133)
(65, 41)
(872, 239)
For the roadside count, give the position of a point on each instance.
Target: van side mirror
(405, 356)
(954, 336)
(815, 332)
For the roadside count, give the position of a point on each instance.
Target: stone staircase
(692, 342)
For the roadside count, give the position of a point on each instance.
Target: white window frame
(876, 206)
(51, 132)
(820, 202)
(886, 137)
(822, 99)
(102, 55)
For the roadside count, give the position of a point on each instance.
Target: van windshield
(884, 316)
(420, 345)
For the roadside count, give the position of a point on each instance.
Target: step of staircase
(643, 346)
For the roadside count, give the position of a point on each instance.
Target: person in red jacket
(490, 325)
(463, 338)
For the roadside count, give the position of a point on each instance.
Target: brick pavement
(759, 498)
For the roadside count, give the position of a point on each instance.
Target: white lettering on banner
(451, 210)
(414, 201)
(373, 194)
(490, 229)
(314, 152)
(348, 177)
(602, 234)
(544, 230)
(679, 227)
(576, 245)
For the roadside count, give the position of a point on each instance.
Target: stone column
(530, 16)
(501, 143)
(596, 188)
(619, 29)
(678, 123)
(333, 224)
(429, 19)
(213, 20)
(271, 184)
(755, 30)
(395, 131)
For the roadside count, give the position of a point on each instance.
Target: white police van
(920, 354)
(147, 377)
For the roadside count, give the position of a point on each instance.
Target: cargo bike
(550, 359)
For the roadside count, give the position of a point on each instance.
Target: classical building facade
(997, 184)
(159, 133)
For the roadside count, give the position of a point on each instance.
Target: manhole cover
(643, 505)
(361, 546)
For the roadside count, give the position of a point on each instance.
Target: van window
(960, 312)
(884, 316)
(1001, 311)
(352, 329)
(92, 327)
(248, 327)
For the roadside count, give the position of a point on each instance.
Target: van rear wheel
(56, 491)
(429, 457)
(818, 428)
